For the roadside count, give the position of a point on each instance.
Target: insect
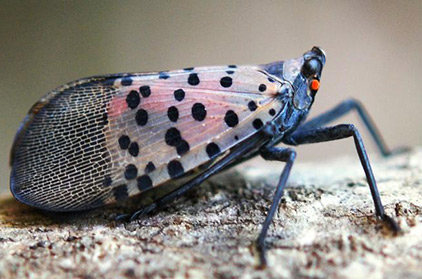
(103, 139)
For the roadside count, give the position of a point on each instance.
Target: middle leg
(287, 155)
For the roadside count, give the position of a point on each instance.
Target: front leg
(345, 131)
(342, 109)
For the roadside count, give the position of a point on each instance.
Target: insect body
(106, 138)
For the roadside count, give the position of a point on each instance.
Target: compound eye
(310, 67)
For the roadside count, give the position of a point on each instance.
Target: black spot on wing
(212, 150)
(257, 124)
(173, 113)
(144, 182)
(262, 87)
(252, 106)
(107, 181)
(134, 149)
(133, 99)
(182, 147)
(141, 117)
(145, 91)
(179, 94)
(163, 75)
(199, 112)
(226, 82)
(172, 136)
(150, 167)
(131, 172)
(175, 169)
(120, 192)
(124, 142)
(193, 79)
(231, 118)
(126, 81)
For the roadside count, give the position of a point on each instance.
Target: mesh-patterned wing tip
(59, 159)
(28, 199)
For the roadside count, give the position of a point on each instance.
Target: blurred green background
(373, 52)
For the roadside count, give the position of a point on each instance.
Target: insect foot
(391, 224)
(141, 213)
(259, 251)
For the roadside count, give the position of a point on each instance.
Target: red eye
(314, 85)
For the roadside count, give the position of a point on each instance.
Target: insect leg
(342, 109)
(340, 132)
(287, 155)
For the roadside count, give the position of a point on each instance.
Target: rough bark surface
(325, 228)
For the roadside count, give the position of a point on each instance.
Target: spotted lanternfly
(103, 139)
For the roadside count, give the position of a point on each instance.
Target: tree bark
(325, 228)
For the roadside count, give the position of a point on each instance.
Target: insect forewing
(103, 139)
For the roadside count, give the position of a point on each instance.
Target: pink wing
(103, 139)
